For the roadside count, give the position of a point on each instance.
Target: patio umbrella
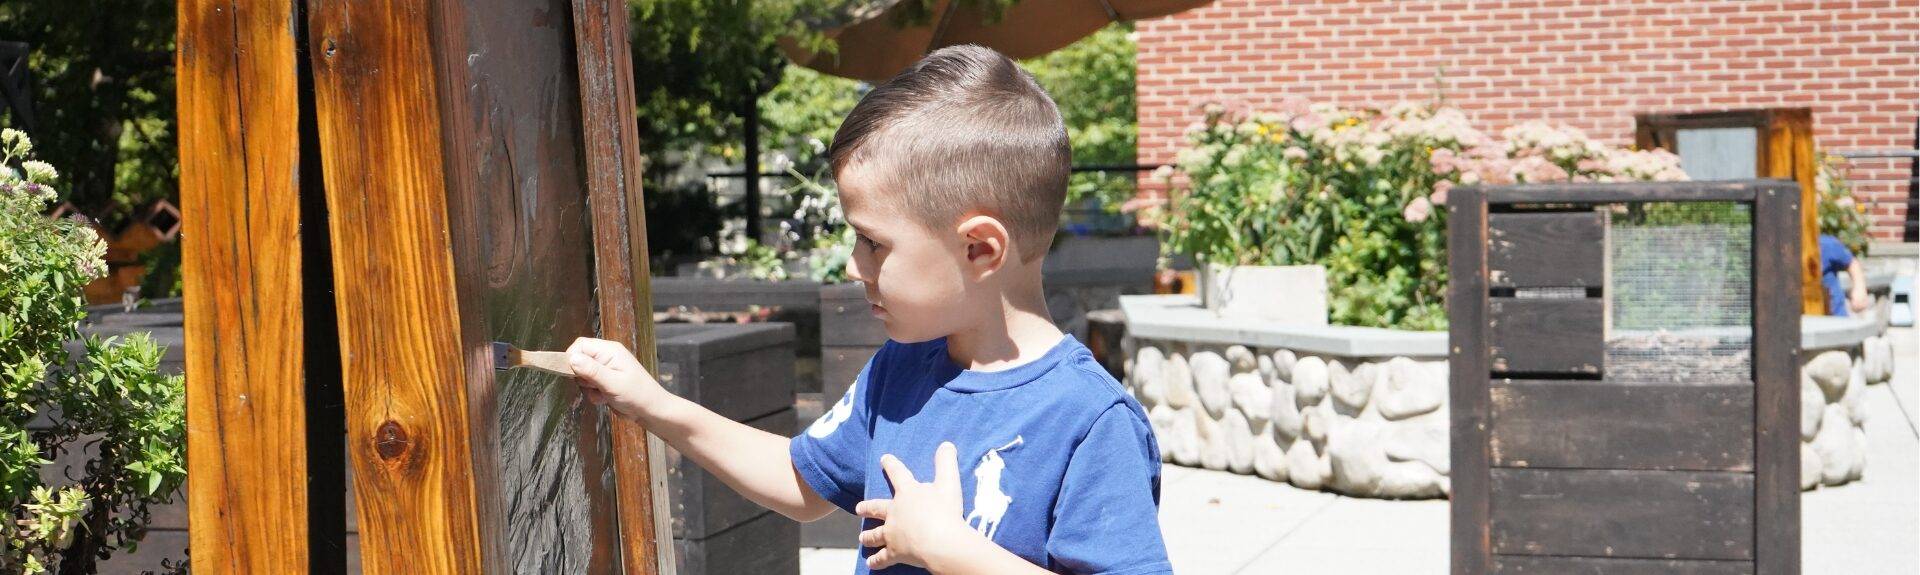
(873, 48)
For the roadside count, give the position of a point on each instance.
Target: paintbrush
(506, 356)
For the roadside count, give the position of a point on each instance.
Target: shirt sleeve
(1834, 255)
(1107, 518)
(831, 455)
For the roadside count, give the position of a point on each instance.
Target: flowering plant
(129, 417)
(1840, 215)
(1360, 191)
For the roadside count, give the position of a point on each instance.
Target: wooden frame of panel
(352, 160)
(1746, 459)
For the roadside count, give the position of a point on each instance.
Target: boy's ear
(988, 243)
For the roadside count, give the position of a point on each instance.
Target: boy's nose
(855, 271)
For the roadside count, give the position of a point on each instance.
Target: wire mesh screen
(1680, 293)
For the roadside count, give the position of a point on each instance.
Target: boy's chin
(908, 334)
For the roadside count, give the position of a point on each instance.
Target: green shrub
(114, 401)
(1363, 192)
(1841, 216)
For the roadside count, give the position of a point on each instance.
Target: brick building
(1610, 68)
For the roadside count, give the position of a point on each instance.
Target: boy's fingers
(897, 472)
(875, 537)
(874, 508)
(585, 368)
(946, 468)
(881, 559)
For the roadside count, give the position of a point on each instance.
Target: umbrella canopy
(873, 48)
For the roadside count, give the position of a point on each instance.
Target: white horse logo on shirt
(990, 503)
(842, 410)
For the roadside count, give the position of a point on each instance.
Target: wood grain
(1547, 249)
(1614, 513)
(1776, 374)
(1518, 564)
(611, 140)
(243, 274)
(1547, 336)
(410, 426)
(1467, 380)
(1605, 425)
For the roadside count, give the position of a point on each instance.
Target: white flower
(39, 172)
(1371, 155)
(1163, 174)
(817, 145)
(15, 143)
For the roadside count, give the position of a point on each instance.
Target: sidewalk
(1222, 523)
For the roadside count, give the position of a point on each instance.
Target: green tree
(103, 97)
(1092, 81)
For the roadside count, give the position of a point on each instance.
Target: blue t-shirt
(1057, 462)
(1834, 259)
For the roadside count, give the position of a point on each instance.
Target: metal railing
(1910, 231)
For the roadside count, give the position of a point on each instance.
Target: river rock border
(1362, 428)
(1364, 412)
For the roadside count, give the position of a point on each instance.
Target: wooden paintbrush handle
(549, 361)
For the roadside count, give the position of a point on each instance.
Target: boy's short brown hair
(964, 130)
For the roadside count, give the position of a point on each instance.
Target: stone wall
(1833, 436)
(1366, 428)
(1364, 412)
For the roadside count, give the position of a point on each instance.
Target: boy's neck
(1020, 332)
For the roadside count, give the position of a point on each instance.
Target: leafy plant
(1840, 215)
(113, 401)
(103, 96)
(1092, 81)
(1361, 192)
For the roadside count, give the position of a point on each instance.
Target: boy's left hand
(921, 519)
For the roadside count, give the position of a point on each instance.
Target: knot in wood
(391, 441)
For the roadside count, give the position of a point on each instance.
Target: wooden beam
(409, 424)
(1777, 226)
(1468, 380)
(262, 449)
(611, 136)
(1789, 156)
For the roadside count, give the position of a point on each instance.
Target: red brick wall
(1588, 64)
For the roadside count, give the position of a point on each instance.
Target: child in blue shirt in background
(1836, 258)
(980, 438)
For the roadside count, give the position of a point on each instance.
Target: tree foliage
(103, 97)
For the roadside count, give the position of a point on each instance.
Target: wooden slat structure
(1563, 463)
(264, 434)
(454, 172)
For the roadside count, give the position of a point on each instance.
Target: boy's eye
(871, 245)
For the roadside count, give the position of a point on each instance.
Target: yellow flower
(1352, 121)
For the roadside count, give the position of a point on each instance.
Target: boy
(979, 439)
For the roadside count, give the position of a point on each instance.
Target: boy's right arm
(753, 462)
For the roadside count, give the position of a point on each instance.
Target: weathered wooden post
(1624, 377)
(455, 173)
(264, 436)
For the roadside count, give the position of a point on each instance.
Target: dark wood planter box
(849, 335)
(794, 301)
(1609, 414)
(745, 373)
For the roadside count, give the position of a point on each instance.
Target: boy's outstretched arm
(752, 462)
